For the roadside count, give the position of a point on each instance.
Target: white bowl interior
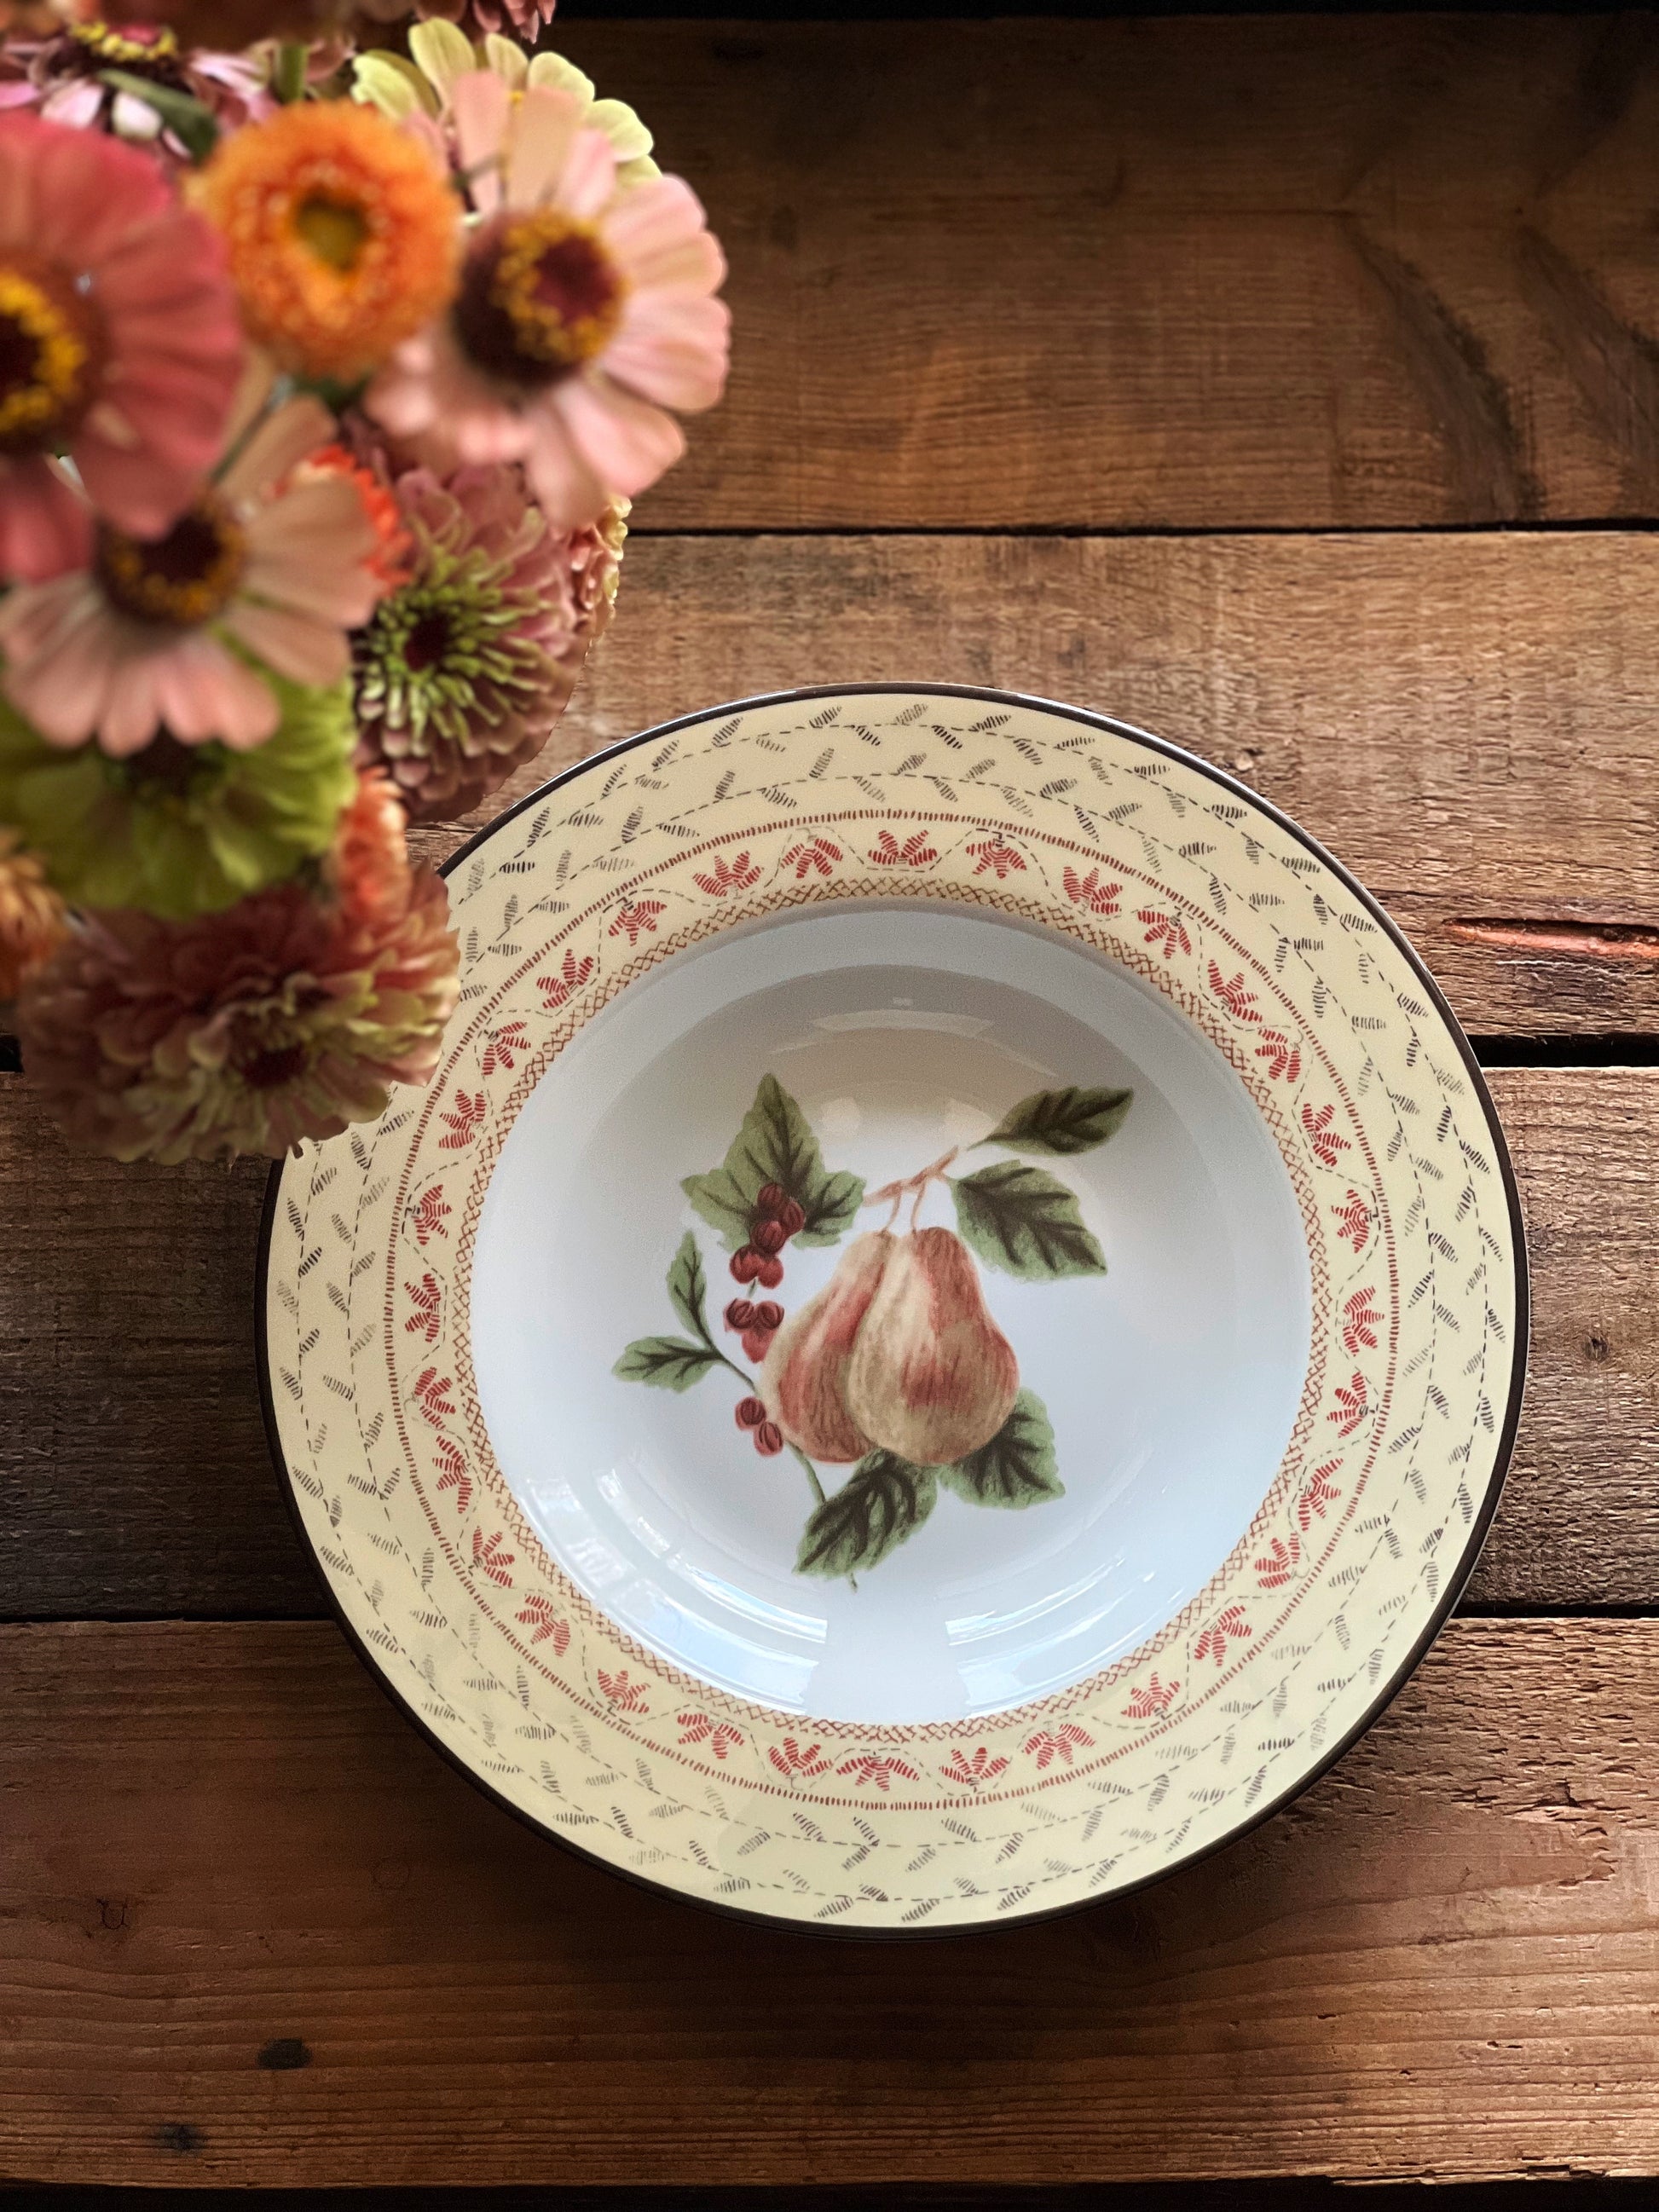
(1172, 1381)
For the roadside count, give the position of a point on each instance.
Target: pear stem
(918, 1183)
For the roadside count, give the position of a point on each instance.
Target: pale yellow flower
(421, 89)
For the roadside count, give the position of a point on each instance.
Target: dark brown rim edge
(1456, 1581)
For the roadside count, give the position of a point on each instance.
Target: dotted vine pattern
(1395, 1444)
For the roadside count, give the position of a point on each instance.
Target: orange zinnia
(342, 234)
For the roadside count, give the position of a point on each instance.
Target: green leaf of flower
(776, 1144)
(1021, 1220)
(1069, 1121)
(687, 1286)
(667, 1363)
(882, 1501)
(190, 121)
(180, 830)
(1017, 1467)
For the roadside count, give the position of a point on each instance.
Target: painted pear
(931, 1376)
(802, 1380)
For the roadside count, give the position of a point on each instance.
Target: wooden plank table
(1291, 385)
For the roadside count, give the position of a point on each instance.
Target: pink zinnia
(61, 77)
(582, 314)
(119, 343)
(272, 564)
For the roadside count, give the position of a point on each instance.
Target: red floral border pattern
(1262, 949)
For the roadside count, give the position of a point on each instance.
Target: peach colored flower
(583, 313)
(170, 632)
(32, 919)
(118, 345)
(286, 1016)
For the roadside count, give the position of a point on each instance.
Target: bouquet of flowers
(328, 370)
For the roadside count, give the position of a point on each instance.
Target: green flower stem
(289, 80)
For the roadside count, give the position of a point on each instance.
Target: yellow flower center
(539, 295)
(336, 230)
(182, 579)
(52, 350)
(129, 49)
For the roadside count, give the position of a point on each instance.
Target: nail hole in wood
(285, 2054)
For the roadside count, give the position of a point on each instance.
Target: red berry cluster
(776, 1219)
(756, 1325)
(768, 1437)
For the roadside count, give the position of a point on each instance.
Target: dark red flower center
(182, 579)
(167, 768)
(539, 294)
(427, 641)
(53, 349)
(272, 1065)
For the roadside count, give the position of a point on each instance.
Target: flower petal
(567, 490)
(672, 350)
(588, 181)
(45, 526)
(510, 62)
(545, 125)
(205, 692)
(296, 644)
(481, 105)
(552, 72)
(136, 489)
(626, 442)
(280, 443)
(444, 54)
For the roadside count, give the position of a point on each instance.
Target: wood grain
(134, 1476)
(221, 1842)
(1466, 722)
(1188, 273)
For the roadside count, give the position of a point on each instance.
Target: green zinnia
(177, 829)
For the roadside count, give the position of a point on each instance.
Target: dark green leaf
(1069, 1121)
(1017, 1467)
(191, 123)
(1020, 1219)
(774, 1145)
(686, 1286)
(882, 1501)
(667, 1363)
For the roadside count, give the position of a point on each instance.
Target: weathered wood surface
(253, 1930)
(1182, 272)
(134, 1475)
(1468, 722)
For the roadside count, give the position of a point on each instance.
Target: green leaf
(882, 1501)
(1021, 1220)
(687, 1287)
(774, 1145)
(667, 1363)
(191, 123)
(1017, 1467)
(1069, 1121)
